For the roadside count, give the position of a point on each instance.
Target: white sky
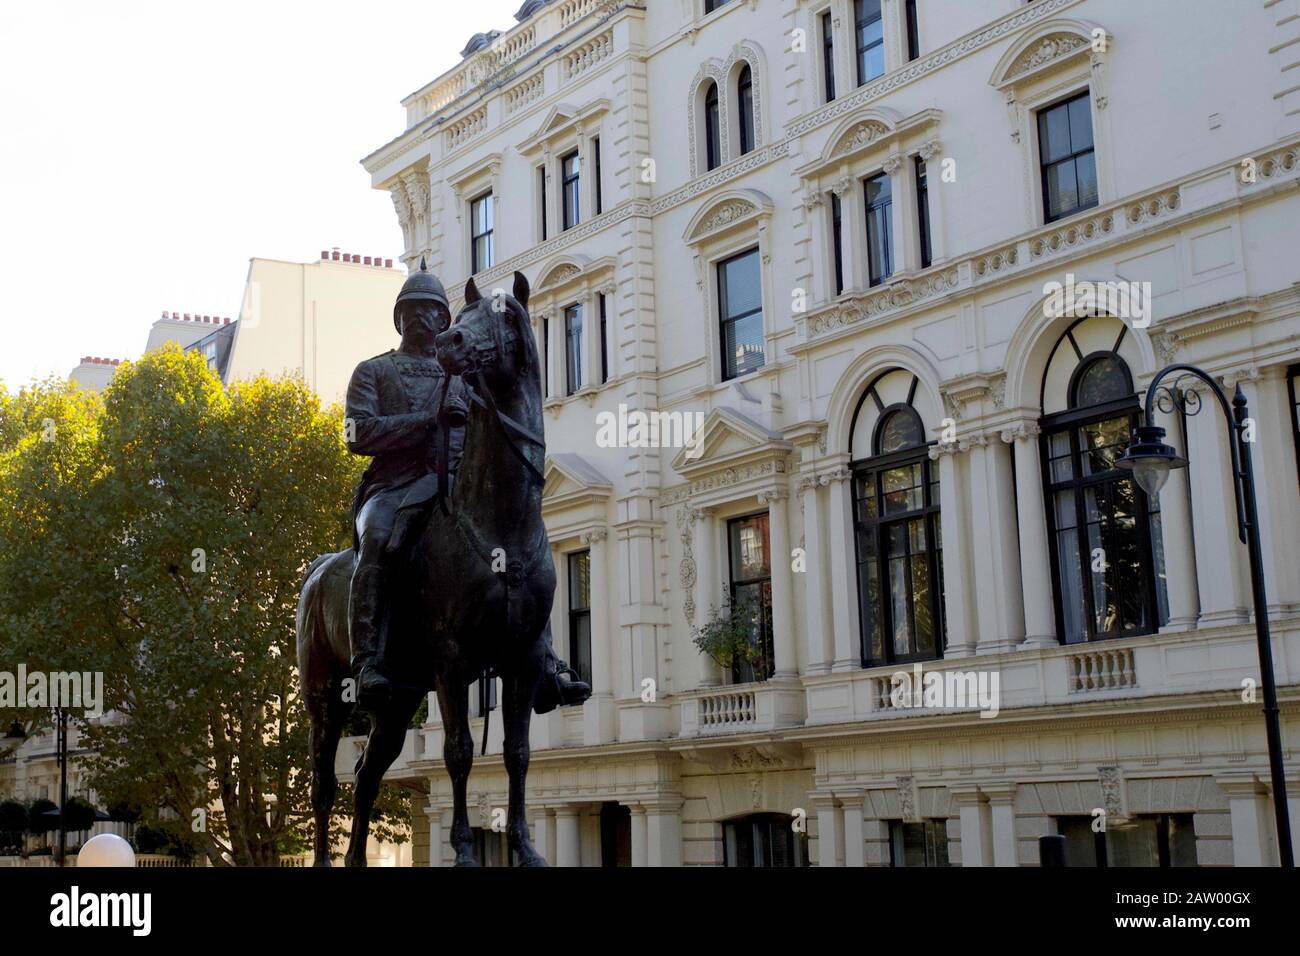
(149, 149)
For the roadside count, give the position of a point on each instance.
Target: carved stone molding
(907, 803)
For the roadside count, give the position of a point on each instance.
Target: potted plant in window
(729, 636)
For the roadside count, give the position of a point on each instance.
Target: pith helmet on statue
(419, 285)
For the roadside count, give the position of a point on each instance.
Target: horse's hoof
(465, 859)
(354, 862)
(322, 861)
(533, 860)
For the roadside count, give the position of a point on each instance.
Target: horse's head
(493, 337)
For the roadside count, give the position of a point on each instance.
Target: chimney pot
(388, 263)
(367, 261)
(336, 255)
(324, 254)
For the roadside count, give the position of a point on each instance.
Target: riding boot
(560, 685)
(366, 612)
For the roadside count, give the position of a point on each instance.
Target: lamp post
(61, 747)
(1151, 459)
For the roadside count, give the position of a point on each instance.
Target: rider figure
(393, 406)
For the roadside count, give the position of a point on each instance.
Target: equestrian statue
(450, 579)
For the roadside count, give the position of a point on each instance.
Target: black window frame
(828, 54)
(729, 368)
(1070, 422)
(765, 667)
(921, 177)
(760, 833)
(837, 240)
(1164, 837)
(745, 109)
(595, 156)
(604, 341)
(541, 172)
(570, 190)
(861, 21)
(1293, 385)
(711, 5)
(574, 377)
(579, 644)
(546, 357)
(475, 265)
(1044, 166)
(712, 128)
(913, 31)
(881, 212)
(934, 839)
(871, 524)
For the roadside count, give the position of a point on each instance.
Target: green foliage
(160, 537)
(728, 637)
(78, 815)
(13, 824)
(37, 822)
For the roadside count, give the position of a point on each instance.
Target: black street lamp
(61, 745)
(1151, 460)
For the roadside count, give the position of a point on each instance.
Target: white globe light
(106, 849)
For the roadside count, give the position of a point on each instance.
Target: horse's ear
(521, 289)
(472, 293)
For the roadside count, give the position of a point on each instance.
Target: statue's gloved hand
(457, 410)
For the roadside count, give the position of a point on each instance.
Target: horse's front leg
(388, 727)
(458, 754)
(520, 688)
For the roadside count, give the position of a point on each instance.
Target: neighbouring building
(313, 319)
(831, 228)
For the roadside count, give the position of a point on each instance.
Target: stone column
(1220, 556)
(1176, 537)
(598, 712)
(906, 257)
(568, 848)
(1002, 823)
(544, 833)
(708, 585)
(1000, 606)
(976, 826)
(953, 511)
(1253, 842)
(1273, 459)
(783, 633)
(1035, 555)
(817, 580)
(435, 835)
(854, 236)
(854, 845)
(664, 832)
(844, 585)
(931, 153)
(639, 836)
(829, 844)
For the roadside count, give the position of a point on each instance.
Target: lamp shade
(106, 849)
(1150, 459)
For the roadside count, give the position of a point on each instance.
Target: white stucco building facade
(829, 227)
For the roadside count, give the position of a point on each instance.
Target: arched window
(1108, 562)
(712, 128)
(745, 102)
(763, 839)
(898, 535)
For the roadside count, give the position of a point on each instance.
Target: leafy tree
(37, 822)
(167, 553)
(78, 815)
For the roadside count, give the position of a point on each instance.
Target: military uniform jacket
(388, 404)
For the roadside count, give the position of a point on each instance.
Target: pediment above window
(728, 441)
(571, 481)
(562, 123)
(1050, 46)
(571, 273)
(739, 207)
(875, 131)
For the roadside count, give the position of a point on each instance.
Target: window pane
(1080, 124)
(749, 545)
(1134, 845)
(902, 429)
(1071, 575)
(1054, 133)
(869, 583)
(896, 555)
(580, 581)
(921, 588)
(1085, 171)
(742, 290)
(743, 345)
(1062, 189)
(1104, 380)
(902, 489)
(1101, 444)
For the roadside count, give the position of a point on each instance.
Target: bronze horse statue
(474, 595)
